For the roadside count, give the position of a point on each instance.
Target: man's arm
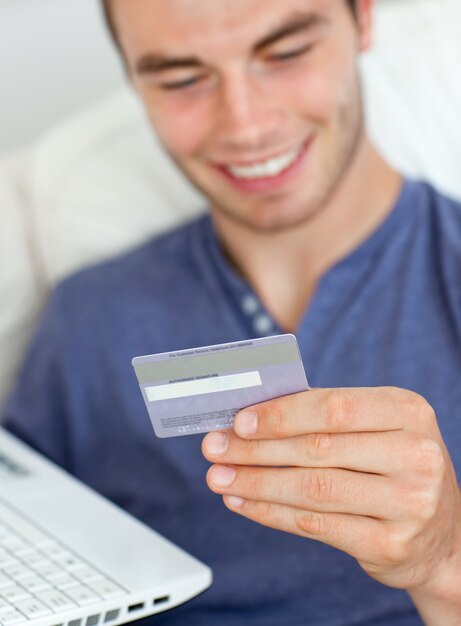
(439, 602)
(363, 470)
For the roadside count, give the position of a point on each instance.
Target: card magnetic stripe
(222, 362)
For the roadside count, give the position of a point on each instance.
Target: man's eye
(290, 54)
(181, 84)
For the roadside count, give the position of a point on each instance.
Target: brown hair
(111, 26)
(108, 17)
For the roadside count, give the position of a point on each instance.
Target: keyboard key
(35, 560)
(34, 584)
(70, 562)
(55, 550)
(107, 589)
(7, 560)
(12, 617)
(5, 581)
(16, 571)
(5, 607)
(87, 575)
(58, 553)
(46, 543)
(12, 542)
(65, 581)
(32, 608)
(5, 535)
(49, 570)
(55, 600)
(26, 550)
(13, 593)
(82, 595)
(19, 549)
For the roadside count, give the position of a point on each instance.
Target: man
(352, 488)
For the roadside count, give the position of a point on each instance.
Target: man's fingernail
(216, 443)
(235, 501)
(246, 423)
(222, 475)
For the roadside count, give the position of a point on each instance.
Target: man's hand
(363, 470)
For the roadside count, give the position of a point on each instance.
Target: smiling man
(342, 504)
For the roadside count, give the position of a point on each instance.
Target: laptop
(69, 557)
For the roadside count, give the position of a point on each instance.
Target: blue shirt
(387, 314)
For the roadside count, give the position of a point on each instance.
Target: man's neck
(284, 268)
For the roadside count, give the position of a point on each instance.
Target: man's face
(257, 101)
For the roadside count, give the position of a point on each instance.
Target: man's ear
(364, 10)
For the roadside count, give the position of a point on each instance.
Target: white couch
(99, 183)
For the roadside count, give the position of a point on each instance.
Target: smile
(268, 175)
(266, 169)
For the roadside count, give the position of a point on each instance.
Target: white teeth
(267, 169)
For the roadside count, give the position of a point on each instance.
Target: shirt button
(250, 305)
(262, 324)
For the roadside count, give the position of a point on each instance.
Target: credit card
(201, 389)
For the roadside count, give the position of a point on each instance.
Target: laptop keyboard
(40, 577)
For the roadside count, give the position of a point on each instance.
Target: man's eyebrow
(160, 63)
(157, 63)
(297, 23)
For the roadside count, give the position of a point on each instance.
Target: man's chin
(267, 221)
(274, 213)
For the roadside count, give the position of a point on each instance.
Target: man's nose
(247, 117)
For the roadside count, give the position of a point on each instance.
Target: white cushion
(102, 183)
(413, 89)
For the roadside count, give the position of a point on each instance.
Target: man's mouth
(270, 174)
(269, 168)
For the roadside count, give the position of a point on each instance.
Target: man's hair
(109, 20)
(111, 26)
(352, 4)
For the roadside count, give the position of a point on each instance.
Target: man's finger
(361, 537)
(322, 490)
(335, 411)
(387, 453)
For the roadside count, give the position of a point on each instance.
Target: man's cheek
(317, 99)
(181, 131)
(179, 140)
